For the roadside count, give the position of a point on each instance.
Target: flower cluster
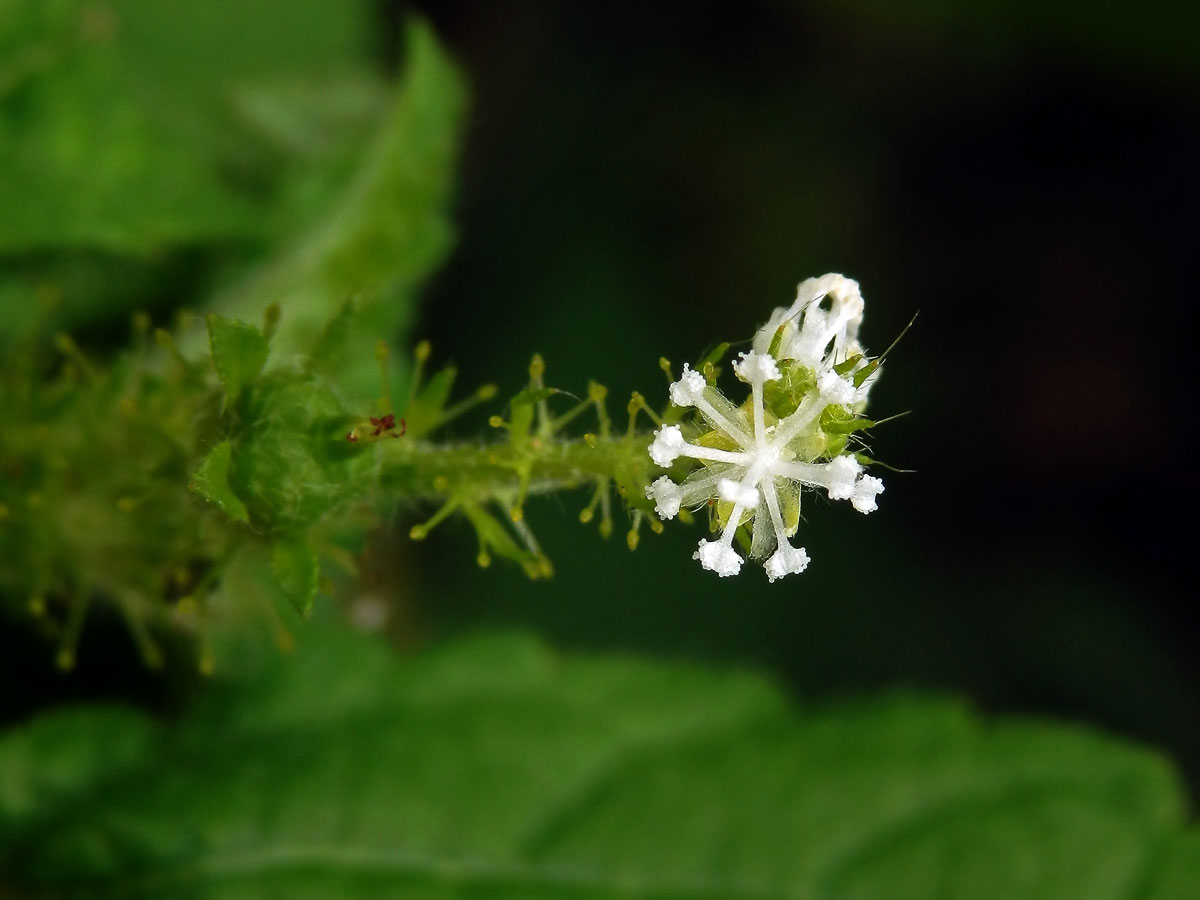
(756, 458)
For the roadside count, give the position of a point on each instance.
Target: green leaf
(840, 420)
(211, 481)
(494, 768)
(294, 568)
(239, 352)
(1179, 873)
(81, 163)
(292, 463)
(387, 230)
(331, 345)
(846, 366)
(62, 754)
(187, 58)
(784, 395)
(431, 401)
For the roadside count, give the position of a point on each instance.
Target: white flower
(768, 464)
(816, 337)
(668, 445)
(688, 388)
(865, 491)
(719, 557)
(666, 496)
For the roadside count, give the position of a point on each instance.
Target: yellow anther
(441, 483)
(496, 422)
(483, 559)
(422, 351)
(596, 392)
(586, 515)
(632, 539)
(487, 392)
(537, 367)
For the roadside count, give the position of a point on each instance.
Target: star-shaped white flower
(764, 464)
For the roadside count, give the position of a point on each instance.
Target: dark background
(644, 179)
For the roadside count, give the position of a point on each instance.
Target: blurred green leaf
(1179, 875)
(495, 768)
(81, 163)
(137, 138)
(294, 568)
(57, 757)
(386, 231)
(331, 345)
(239, 352)
(211, 481)
(187, 59)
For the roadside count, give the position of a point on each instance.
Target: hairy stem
(420, 469)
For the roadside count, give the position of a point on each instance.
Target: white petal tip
(756, 368)
(718, 557)
(667, 446)
(688, 390)
(865, 492)
(786, 561)
(841, 473)
(836, 389)
(666, 496)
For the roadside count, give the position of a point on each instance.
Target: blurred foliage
(228, 155)
(313, 181)
(492, 767)
(153, 154)
(82, 163)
